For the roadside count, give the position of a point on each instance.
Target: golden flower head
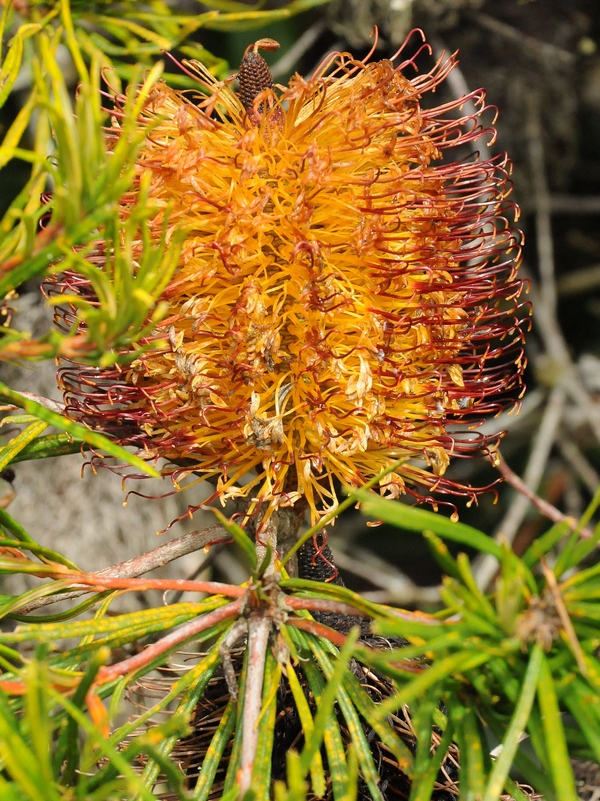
(346, 295)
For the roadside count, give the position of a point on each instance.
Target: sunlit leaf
(416, 519)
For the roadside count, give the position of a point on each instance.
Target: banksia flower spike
(347, 294)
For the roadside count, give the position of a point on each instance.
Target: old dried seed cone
(347, 294)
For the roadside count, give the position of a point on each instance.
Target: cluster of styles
(347, 295)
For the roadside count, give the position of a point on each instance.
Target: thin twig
(486, 565)
(549, 511)
(233, 636)
(398, 588)
(564, 617)
(99, 583)
(287, 62)
(323, 605)
(575, 204)
(549, 51)
(538, 459)
(169, 551)
(319, 630)
(47, 403)
(260, 624)
(543, 219)
(579, 463)
(558, 356)
(579, 281)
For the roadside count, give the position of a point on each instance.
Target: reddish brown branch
(319, 630)
(323, 605)
(101, 583)
(157, 557)
(167, 642)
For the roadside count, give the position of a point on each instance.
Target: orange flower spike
(347, 295)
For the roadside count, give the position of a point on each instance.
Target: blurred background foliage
(504, 654)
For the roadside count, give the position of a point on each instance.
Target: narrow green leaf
(427, 765)
(317, 775)
(515, 791)
(235, 757)
(477, 600)
(136, 624)
(369, 710)
(583, 705)
(49, 446)
(16, 444)
(440, 551)
(582, 577)
(43, 553)
(415, 519)
(214, 754)
(202, 675)
(143, 33)
(13, 603)
(12, 62)
(74, 49)
(305, 588)
(253, 19)
(326, 701)
(261, 770)
(359, 741)
(7, 7)
(565, 559)
(332, 737)
(455, 665)
(68, 745)
(114, 756)
(297, 788)
(18, 759)
(582, 548)
(408, 628)
(555, 745)
(14, 528)
(473, 773)
(36, 717)
(576, 549)
(239, 535)
(67, 614)
(544, 544)
(517, 726)
(9, 145)
(591, 509)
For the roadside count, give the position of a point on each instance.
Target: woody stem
(259, 629)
